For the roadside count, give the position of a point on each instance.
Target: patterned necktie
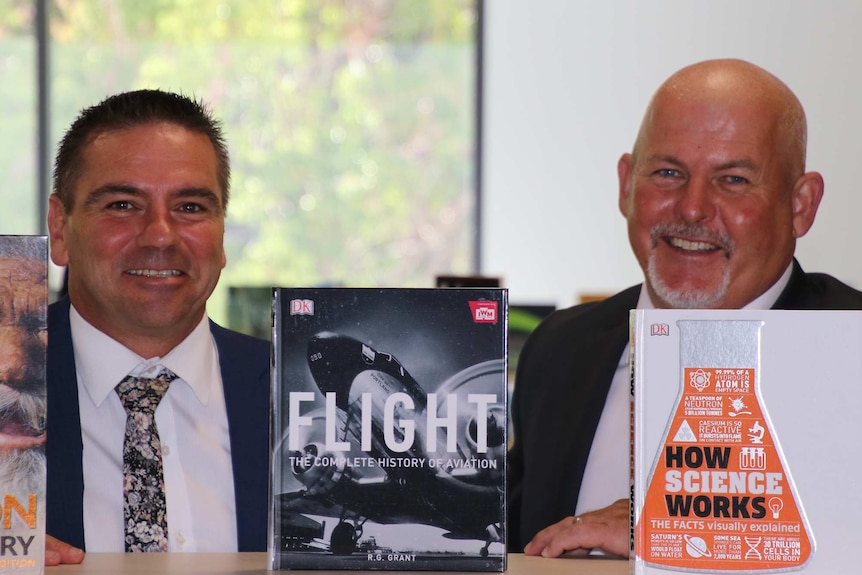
(144, 510)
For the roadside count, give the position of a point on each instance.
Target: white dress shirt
(607, 474)
(193, 429)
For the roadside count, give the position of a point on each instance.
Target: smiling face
(144, 237)
(714, 193)
(22, 393)
(23, 405)
(23, 410)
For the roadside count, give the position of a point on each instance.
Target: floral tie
(144, 509)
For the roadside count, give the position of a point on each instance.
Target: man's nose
(695, 202)
(13, 357)
(158, 228)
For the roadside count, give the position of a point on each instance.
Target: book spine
(636, 355)
(274, 527)
(23, 412)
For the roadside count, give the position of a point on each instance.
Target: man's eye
(190, 208)
(667, 173)
(735, 180)
(120, 205)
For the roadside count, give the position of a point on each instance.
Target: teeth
(691, 246)
(155, 273)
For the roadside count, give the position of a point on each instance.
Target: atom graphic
(699, 379)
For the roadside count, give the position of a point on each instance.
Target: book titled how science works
(745, 441)
(23, 344)
(389, 429)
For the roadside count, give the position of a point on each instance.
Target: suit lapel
(245, 377)
(65, 493)
(602, 355)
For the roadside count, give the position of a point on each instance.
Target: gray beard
(680, 299)
(22, 472)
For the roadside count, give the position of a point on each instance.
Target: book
(745, 452)
(389, 429)
(23, 409)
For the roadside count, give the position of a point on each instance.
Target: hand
(606, 529)
(57, 552)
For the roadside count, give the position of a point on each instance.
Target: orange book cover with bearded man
(23, 344)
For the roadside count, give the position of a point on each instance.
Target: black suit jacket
(564, 374)
(244, 363)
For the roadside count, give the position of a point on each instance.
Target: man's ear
(57, 222)
(624, 173)
(807, 193)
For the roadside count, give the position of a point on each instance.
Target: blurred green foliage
(351, 123)
(18, 176)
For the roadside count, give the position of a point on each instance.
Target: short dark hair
(128, 110)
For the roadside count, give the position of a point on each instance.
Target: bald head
(715, 191)
(729, 84)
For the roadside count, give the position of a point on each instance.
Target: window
(351, 124)
(18, 100)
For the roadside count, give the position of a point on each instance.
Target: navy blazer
(245, 370)
(564, 375)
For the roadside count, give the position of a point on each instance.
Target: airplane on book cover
(384, 450)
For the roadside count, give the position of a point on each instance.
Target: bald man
(715, 194)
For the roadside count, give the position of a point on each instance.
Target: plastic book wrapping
(389, 429)
(23, 409)
(745, 449)
(635, 449)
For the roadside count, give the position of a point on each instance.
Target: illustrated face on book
(23, 341)
(143, 239)
(714, 192)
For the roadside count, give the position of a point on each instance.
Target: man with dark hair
(137, 215)
(715, 194)
(128, 110)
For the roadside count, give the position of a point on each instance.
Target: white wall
(566, 83)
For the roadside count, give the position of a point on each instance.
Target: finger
(543, 537)
(59, 552)
(577, 539)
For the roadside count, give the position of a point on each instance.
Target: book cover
(23, 343)
(745, 441)
(389, 429)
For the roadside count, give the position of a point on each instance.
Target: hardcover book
(23, 343)
(389, 429)
(745, 441)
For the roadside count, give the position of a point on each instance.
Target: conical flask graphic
(720, 496)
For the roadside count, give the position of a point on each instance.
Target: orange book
(23, 344)
(745, 441)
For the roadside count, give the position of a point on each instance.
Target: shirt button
(166, 450)
(180, 538)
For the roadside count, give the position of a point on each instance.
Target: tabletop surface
(252, 563)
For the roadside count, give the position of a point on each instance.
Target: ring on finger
(577, 520)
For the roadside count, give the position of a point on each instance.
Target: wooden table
(256, 563)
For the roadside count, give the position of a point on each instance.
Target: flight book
(745, 441)
(23, 344)
(389, 429)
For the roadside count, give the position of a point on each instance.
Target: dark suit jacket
(564, 374)
(244, 365)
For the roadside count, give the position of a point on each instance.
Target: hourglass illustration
(724, 481)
